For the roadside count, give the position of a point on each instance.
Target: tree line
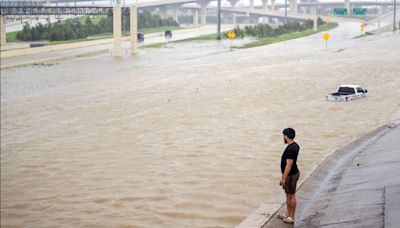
(86, 26)
(265, 30)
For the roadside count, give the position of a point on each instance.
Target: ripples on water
(187, 136)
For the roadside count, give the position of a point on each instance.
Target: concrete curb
(51, 59)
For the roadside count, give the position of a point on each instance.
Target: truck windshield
(346, 90)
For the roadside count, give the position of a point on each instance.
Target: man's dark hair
(289, 132)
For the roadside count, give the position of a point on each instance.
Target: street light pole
(285, 11)
(394, 15)
(219, 20)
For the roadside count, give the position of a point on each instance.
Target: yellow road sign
(327, 20)
(326, 36)
(362, 27)
(231, 35)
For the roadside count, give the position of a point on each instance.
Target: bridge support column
(234, 18)
(382, 10)
(163, 12)
(251, 5)
(117, 30)
(293, 6)
(315, 23)
(133, 29)
(3, 31)
(233, 3)
(176, 15)
(271, 20)
(195, 17)
(273, 8)
(264, 4)
(203, 6)
(347, 6)
(313, 10)
(264, 7)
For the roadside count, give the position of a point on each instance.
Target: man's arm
(289, 163)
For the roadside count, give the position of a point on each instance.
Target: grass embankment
(203, 37)
(89, 38)
(365, 18)
(156, 45)
(110, 35)
(363, 35)
(12, 36)
(258, 42)
(288, 36)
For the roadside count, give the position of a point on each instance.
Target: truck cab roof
(350, 86)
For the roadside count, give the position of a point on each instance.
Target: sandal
(288, 220)
(282, 216)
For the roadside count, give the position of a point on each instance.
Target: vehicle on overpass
(347, 93)
(140, 37)
(168, 34)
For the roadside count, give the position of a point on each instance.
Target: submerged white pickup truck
(347, 93)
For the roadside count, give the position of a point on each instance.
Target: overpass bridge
(271, 11)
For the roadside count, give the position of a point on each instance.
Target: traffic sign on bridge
(340, 11)
(359, 11)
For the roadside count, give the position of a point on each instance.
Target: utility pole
(123, 18)
(219, 21)
(394, 15)
(285, 11)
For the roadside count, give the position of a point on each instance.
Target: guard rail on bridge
(18, 8)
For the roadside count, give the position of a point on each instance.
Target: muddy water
(185, 136)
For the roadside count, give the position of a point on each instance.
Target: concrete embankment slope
(357, 186)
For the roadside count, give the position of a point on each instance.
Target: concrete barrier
(59, 47)
(51, 48)
(50, 59)
(14, 46)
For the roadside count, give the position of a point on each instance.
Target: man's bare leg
(291, 205)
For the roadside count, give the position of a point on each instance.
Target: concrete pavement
(357, 186)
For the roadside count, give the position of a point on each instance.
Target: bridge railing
(41, 10)
(21, 3)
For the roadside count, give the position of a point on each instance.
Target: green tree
(25, 33)
(89, 26)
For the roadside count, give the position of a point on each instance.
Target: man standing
(290, 174)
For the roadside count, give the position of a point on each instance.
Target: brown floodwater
(183, 136)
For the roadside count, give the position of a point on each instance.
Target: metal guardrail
(21, 3)
(59, 10)
(13, 8)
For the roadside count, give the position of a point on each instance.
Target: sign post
(231, 35)
(394, 15)
(362, 27)
(326, 38)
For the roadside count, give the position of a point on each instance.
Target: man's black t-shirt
(291, 152)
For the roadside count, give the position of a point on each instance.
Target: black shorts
(291, 183)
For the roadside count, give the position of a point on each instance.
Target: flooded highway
(183, 136)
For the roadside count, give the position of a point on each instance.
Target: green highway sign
(340, 11)
(359, 11)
